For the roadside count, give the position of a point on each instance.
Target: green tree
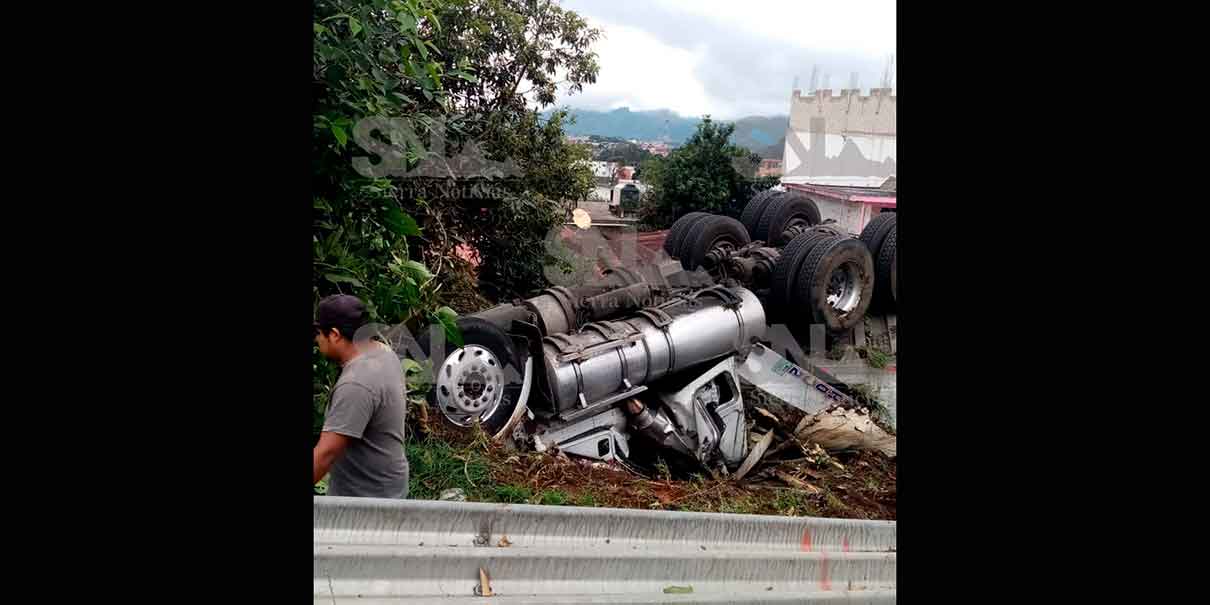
(624, 153)
(708, 173)
(503, 57)
(369, 59)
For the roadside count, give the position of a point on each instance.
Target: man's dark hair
(341, 312)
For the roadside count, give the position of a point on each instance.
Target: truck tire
(756, 206)
(884, 282)
(679, 229)
(785, 270)
(502, 370)
(840, 268)
(709, 233)
(876, 230)
(781, 213)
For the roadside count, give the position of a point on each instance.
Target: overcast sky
(730, 58)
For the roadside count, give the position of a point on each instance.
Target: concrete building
(846, 140)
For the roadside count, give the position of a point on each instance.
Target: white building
(846, 140)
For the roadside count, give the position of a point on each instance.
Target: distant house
(769, 167)
(603, 173)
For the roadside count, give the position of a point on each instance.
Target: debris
(484, 589)
(796, 482)
(767, 415)
(813, 473)
(840, 429)
(755, 455)
(802, 424)
(453, 494)
(503, 543)
(678, 590)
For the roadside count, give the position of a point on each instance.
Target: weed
(877, 358)
(871, 484)
(586, 499)
(743, 504)
(792, 503)
(662, 469)
(553, 497)
(513, 494)
(834, 502)
(435, 467)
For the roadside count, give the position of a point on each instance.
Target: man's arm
(349, 413)
(329, 448)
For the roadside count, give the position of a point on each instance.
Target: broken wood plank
(859, 334)
(796, 482)
(755, 455)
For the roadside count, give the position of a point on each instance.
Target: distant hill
(757, 133)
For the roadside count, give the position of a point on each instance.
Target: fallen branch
(793, 440)
(796, 482)
(841, 429)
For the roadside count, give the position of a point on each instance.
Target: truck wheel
(710, 233)
(786, 211)
(876, 230)
(756, 206)
(884, 283)
(482, 379)
(789, 262)
(676, 235)
(830, 229)
(835, 283)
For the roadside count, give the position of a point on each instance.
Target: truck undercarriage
(648, 361)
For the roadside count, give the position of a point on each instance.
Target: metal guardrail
(404, 551)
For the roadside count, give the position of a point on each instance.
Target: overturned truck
(648, 360)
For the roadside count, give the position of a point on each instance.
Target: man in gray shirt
(361, 447)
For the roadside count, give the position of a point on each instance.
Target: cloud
(730, 59)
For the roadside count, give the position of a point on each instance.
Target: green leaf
(354, 26)
(447, 313)
(453, 334)
(319, 29)
(411, 365)
(401, 223)
(345, 279)
(432, 67)
(406, 21)
(417, 270)
(339, 133)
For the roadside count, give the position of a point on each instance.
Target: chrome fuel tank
(608, 359)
